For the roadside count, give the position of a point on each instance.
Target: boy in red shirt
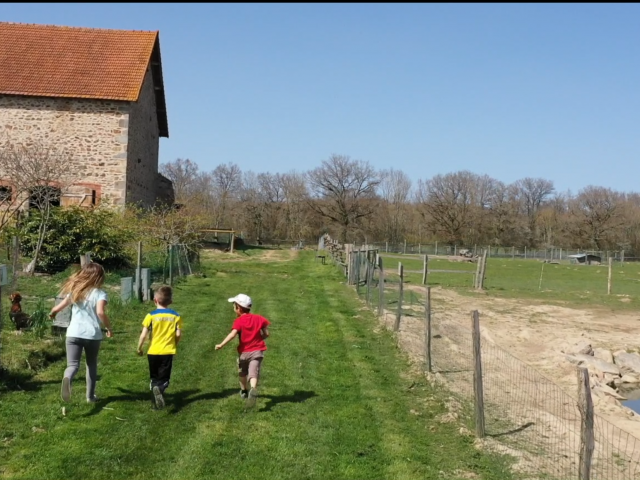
(253, 329)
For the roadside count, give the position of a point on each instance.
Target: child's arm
(102, 315)
(230, 337)
(178, 335)
(264, 331)
(61, 306)
(141, 340)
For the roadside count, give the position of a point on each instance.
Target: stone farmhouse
(96, 93)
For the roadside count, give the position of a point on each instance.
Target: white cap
(242, 300)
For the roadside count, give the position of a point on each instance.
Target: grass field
(337, 399)
(565, 284)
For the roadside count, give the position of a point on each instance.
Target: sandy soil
(536, 334)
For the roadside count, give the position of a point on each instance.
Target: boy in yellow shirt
(165, 326)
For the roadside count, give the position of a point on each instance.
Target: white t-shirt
(84, 319)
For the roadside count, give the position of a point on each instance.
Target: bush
(74, 231)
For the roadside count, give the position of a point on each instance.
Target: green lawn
(572, 285)
(337, 401)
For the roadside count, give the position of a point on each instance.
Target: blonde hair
(81, 283)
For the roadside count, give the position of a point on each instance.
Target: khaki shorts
(249, 364)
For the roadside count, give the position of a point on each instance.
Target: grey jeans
(74, 353)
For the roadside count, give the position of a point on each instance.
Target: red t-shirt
(248, 326)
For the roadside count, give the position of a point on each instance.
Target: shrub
(74, 231)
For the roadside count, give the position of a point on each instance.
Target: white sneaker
(93, 399)
(65, 391)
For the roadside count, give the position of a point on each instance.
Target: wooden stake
(478, 388)
(587, 442)
(380, 287)
(427, 326)
(425, 262)
(396, 325)
(609, 277)
(541, 272)
(139, 273)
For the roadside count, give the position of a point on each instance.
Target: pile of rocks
(608, 371)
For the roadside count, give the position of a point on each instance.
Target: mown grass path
(335, 402)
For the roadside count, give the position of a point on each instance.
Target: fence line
(517, 410)
(550, 254)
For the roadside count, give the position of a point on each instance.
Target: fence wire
(526, 415)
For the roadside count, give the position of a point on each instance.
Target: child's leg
(164, 372)
(91, 349)
(154, 363)
(243, 370)
(74, 353)
(254, 371)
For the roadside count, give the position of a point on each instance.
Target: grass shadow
(175, 401)
(21, 381)
(298, 396)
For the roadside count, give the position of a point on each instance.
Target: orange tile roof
(72, 62)
(43, 60)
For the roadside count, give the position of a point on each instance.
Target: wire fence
(549, 254)
(517, 410)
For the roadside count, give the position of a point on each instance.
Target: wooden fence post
(424, 269)
(476, 283)
(478, 389)
(396, 325)
(427, 319)
(358, 265)
(368, 280)
(609, 277)
(483, 269)
(380, 287)
(587, 442)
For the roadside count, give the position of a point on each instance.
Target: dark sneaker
(93, 399)
(157, 395)
(65, 391)
(243, 394)
(251, 398)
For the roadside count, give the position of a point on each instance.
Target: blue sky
(540, 90)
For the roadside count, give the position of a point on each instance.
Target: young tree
(39, 175)
(342, 191)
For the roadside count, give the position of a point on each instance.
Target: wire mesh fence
(519, 412)
(549, 254)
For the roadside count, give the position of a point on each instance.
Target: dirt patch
(530, 387)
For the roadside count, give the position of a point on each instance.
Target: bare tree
(342, 189)
(447, 202)
(184, 174)
(597, 212)
(39, 175)
(533, 192)
(226, 180)
(395, 187)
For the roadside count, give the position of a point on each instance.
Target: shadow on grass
(298, 396)
(21, 381)
(175, 401)
(521, 428)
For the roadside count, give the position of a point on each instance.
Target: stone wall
(143, 146)
(95, 132)
(166, 193)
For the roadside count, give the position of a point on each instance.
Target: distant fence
(516, 409)
(550, 254)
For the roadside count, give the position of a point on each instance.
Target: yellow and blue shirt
(162, 323)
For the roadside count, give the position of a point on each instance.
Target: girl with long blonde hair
(83, 292)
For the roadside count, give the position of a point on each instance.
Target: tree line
(354, 202)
